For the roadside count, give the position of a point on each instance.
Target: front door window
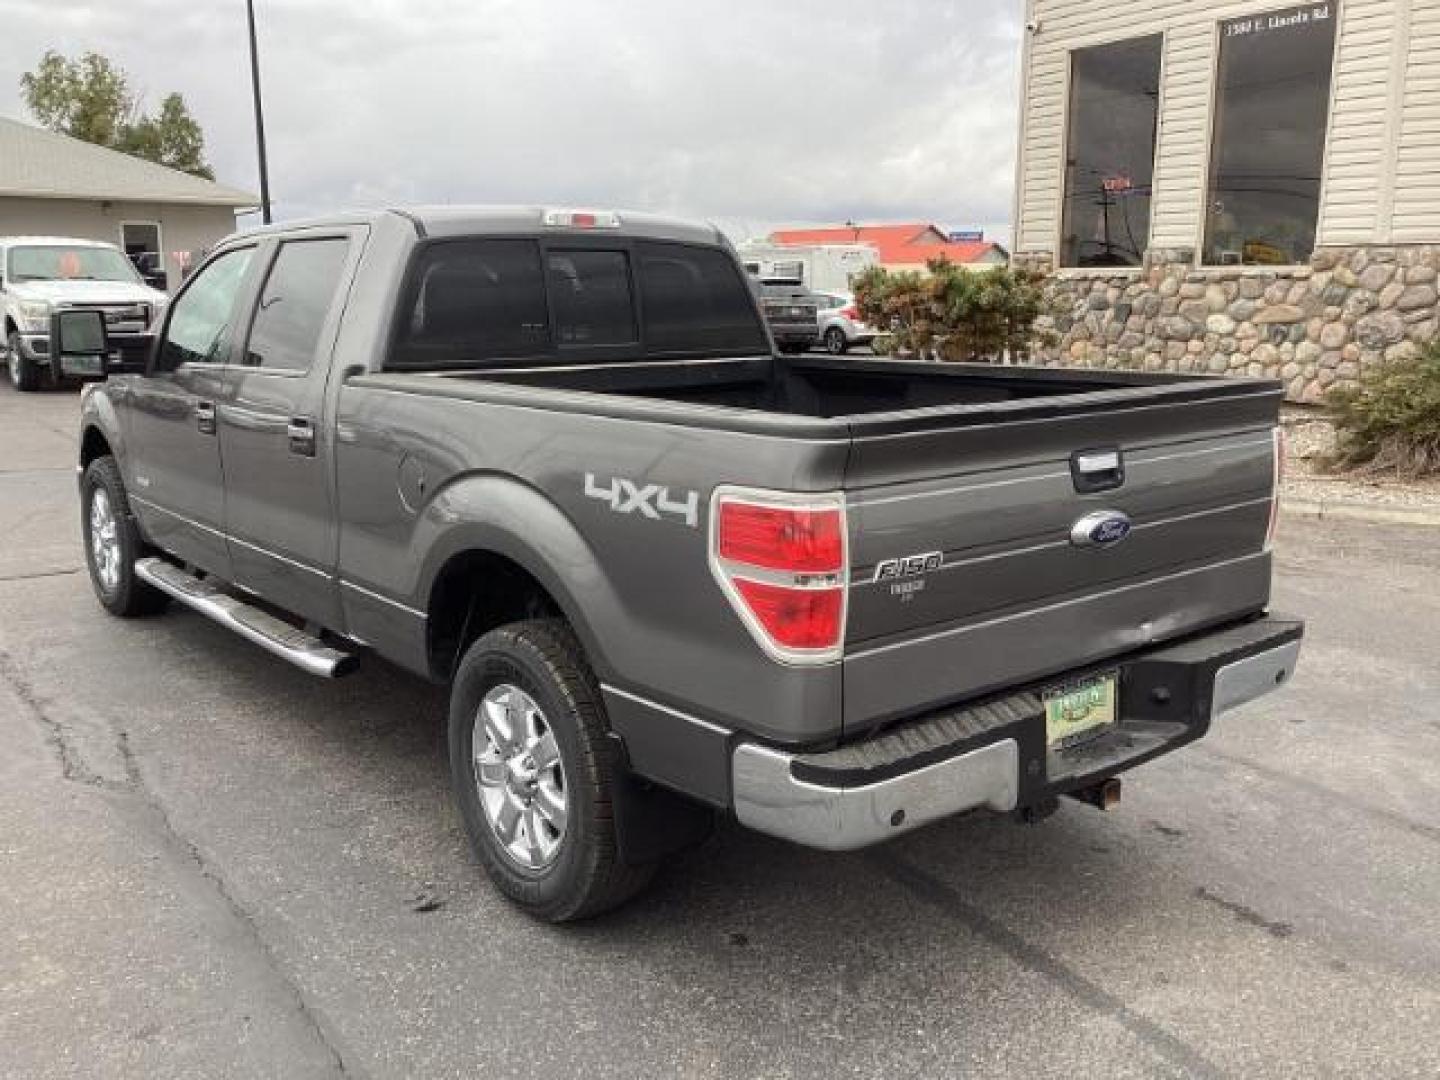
(201, 316)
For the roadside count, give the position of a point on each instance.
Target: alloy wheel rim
(104, 540)
(519, 777)
(835, 339)
(12, 363)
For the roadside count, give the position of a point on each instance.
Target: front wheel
(22, 370)
(835, 341)
(112, 544)
(536, 775)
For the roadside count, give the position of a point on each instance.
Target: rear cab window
(476, 301)
(473, 300)
(591, 298)
(696, 301)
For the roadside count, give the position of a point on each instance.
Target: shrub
(953, 313)
(1392, 421)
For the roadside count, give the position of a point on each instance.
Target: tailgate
(968, 573)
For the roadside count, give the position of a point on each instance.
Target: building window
(1272, 107)
(140, 240)
(1110, 155)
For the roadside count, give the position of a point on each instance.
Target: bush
(1392, 421)
(952, 313)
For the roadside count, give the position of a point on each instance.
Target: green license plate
(1079, 711)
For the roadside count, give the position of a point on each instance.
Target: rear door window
(590, 297)
(472, 300)
(298, 294)
(695, 300)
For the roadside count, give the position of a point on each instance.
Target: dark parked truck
(551, 459)
(792, 314)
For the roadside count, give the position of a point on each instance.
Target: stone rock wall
(1312, 327)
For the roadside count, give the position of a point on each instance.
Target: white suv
(41, 273)
(840, 325)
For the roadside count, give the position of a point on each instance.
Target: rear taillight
(781, 537)
(852, 313)
(781, 561)
(1278, 475)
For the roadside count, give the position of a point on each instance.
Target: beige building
(1229, 185)
(53, 185)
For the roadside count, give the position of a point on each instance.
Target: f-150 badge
(909, 566)
(648, 500)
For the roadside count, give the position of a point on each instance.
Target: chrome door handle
(205, 417)
(301, 433)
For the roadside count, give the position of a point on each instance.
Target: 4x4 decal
(648, 500)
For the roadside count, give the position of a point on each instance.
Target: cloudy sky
(748, 112)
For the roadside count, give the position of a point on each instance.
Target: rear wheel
(112, 544)
(835, 341)
(536, 775)
(22, 370)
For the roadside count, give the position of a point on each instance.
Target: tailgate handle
(1097, 470)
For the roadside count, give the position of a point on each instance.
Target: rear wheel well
(474, 593)
(93, 445)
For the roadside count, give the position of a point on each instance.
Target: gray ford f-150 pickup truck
(551, 459)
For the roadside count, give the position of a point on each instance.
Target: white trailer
(819, 267)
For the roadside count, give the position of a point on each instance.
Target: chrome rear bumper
(1169, 698)
(769, 798)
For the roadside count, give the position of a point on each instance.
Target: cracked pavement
(212, 865)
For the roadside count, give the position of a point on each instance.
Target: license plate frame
(1080, 710)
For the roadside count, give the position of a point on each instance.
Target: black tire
(126, 595)
(836, 344)
(543, 659)
(24, 375)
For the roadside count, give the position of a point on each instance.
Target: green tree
(951, 312)
(90, 99)
(171, 137)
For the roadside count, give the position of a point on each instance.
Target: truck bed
(825, 388)
(976, 464)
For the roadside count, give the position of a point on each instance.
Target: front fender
(98, 415)
(501, 515)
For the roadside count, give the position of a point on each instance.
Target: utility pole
(259, 116)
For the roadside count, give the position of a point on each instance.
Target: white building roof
(44, 165)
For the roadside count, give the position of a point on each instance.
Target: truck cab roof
(451, 221)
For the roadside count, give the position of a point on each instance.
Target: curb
(1339, 509)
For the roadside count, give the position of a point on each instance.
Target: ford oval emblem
(1104, 528)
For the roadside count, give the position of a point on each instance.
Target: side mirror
(81, 345)
(78, 342)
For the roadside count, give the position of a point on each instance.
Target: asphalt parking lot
(213, 865)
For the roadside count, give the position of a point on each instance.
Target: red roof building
(908, 246)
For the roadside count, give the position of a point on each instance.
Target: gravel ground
(1310, 438)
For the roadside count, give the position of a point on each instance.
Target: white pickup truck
(39, 274)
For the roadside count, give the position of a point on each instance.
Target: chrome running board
(305, 651)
